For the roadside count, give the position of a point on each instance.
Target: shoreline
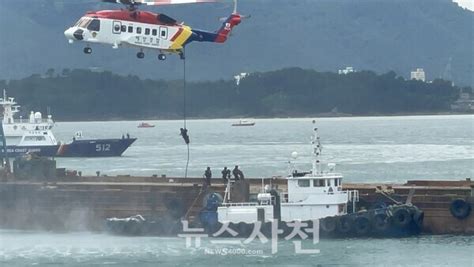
(324, 115)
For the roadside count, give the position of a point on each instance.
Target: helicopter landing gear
(87, 50)
(162, 57)
(140, 55)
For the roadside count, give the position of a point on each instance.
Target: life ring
(344, 224)
(418, 218)
(328, 225)
(175, 208)
(401, 218)
(380, 222)
(361, 225)
(460, 208)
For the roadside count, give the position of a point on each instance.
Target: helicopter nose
(79, 34)
(74, 34)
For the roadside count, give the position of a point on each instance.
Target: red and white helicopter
(145, 30)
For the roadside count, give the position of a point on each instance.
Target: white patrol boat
(313, 198)
(311, 195)
(34, 135)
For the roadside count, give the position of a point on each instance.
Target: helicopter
(131, 27)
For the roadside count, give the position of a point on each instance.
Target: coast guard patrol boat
(35, 135)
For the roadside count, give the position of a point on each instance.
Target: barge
(40, 196)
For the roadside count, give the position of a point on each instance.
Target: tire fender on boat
(460, 208)
(361, 225)
(401, 217)
(344, 224)
(328, 224)
(380, 222)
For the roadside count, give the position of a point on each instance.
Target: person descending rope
(184, 134)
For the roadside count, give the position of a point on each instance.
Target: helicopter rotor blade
(171, 2)
(124, 2)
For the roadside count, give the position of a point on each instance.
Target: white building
(418, 74)
(239, 77)
(347, 70)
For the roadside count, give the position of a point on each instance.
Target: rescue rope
(194, 203)
(184, 130)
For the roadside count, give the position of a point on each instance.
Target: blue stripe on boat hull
(78, 148)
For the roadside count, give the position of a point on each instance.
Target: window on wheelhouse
(130, 29)
(319, 183)
(124, 28)
(329, 182)
(154, 32)
(147, 31)
(35, 138)
(139, 30)
(303, 183)
(94, 25)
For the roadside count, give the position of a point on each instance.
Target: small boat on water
(145, 125)
(34, 135)
(244, 123)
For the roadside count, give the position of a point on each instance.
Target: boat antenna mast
(317, 150)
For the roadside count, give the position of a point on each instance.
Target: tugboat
(35, 136)
(313, 197)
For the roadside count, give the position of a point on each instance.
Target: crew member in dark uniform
(241, 175)
(225, 174)
(235, 172)
(208, 176)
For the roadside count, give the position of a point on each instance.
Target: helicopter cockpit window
(94, 25)
(83, 23)
(78, 22)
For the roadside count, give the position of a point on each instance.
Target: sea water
(376, 149)
(365, 149)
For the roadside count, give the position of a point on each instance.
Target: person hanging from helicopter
(184, 134)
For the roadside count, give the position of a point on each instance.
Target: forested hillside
(88, 95)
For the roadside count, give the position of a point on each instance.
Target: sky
(469, 4)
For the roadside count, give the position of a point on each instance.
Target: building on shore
(418, 74)
(347, 70)
(239, 77)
